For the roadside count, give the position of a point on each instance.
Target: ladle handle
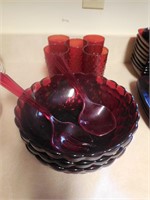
(7, 82)
(62, 65)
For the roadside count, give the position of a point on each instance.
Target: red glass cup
(103, 59)
(58, 39)
(76, 54)
(91, 59)
(98, 40)
(51, 57)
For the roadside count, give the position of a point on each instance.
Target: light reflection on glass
(71, 92)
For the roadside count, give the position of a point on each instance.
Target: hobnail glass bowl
(36, 131)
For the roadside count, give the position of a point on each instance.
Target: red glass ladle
(65, 135)
(94, 118)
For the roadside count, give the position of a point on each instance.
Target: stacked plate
(140, 55)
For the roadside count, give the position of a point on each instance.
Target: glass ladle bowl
(94, 118)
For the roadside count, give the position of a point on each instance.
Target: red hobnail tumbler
(98, 40)
(76, 54)
(52, 52)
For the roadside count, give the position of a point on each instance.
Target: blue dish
(143, 89)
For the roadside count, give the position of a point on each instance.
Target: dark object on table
(140, 55)
(145, 34)
(143, 89)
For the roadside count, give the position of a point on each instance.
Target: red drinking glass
(76, 54)
(58, 44)
(95, 39)
(103, 59)
(91, 59)
(51, 53)
(58, 39)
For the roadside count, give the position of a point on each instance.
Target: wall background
(26, 24)
(119, 17)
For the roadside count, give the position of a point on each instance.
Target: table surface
(22, 176)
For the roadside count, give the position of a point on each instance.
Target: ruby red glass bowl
(36, 131)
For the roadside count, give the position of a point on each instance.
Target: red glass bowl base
(82, 166)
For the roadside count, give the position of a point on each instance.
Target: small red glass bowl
(36, 131)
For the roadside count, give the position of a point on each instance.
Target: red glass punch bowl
(65, 104)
